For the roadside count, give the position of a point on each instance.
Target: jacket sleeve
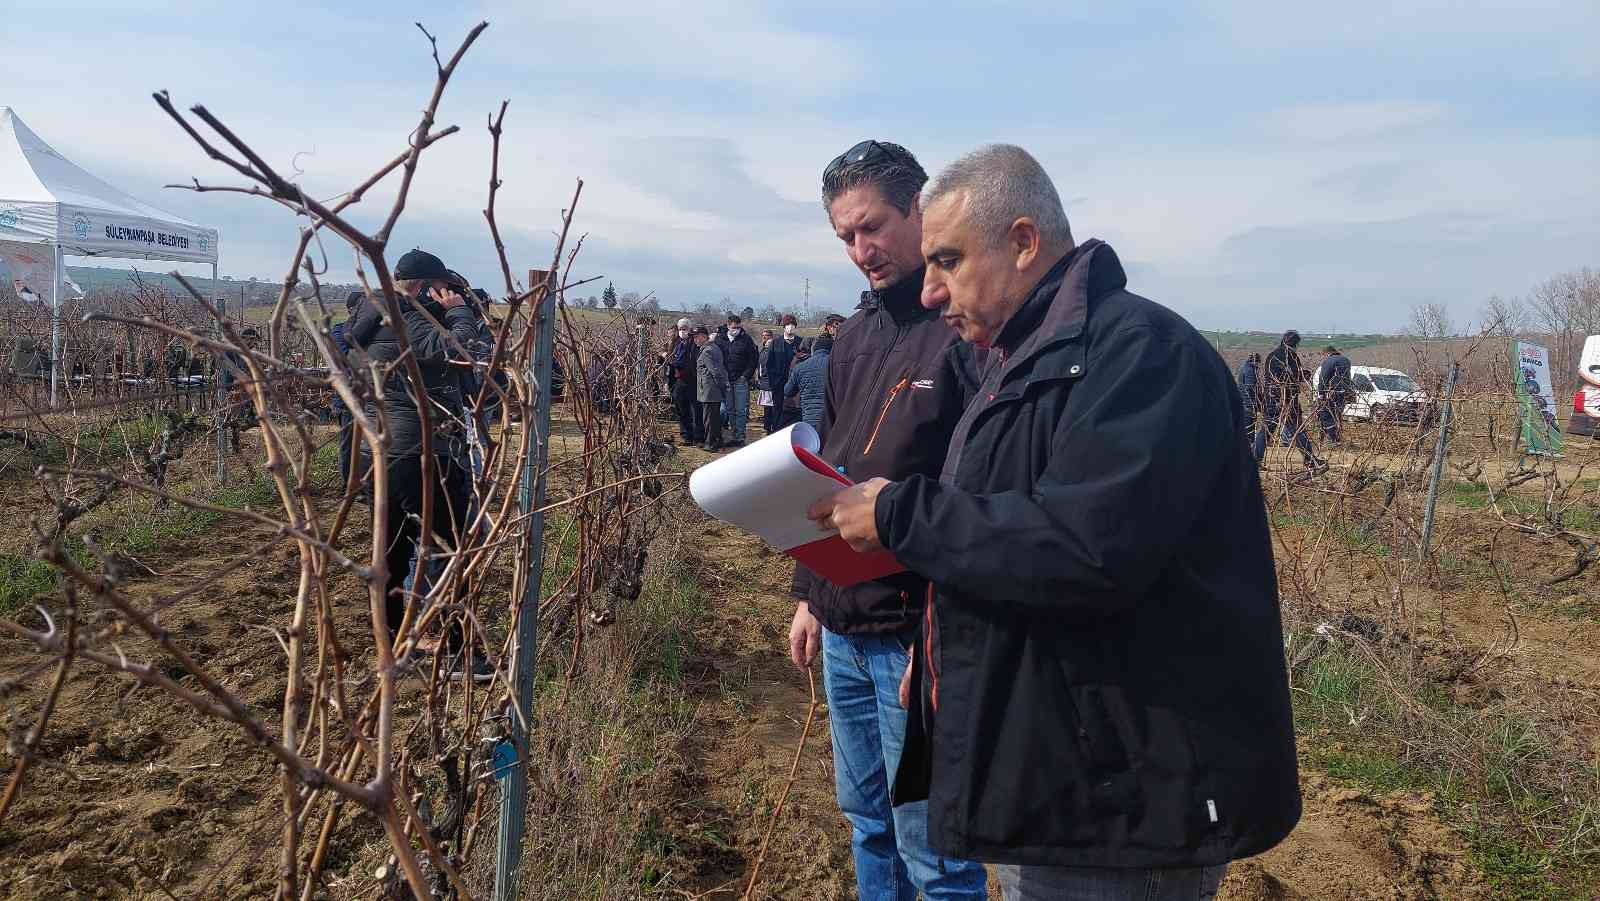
(792, 386)
(364, 325)
(1133, 459)
(750, 357)
(429, 343)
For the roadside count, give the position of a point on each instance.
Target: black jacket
(433, 351)
(1333, 379)
(739, 357)
(1281, 378)
(1108, 685)
(898, 379)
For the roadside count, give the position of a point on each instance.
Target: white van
(1585, 418)
(1383, 395)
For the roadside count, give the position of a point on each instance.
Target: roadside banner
(1540, 433)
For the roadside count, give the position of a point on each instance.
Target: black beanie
(420, 264)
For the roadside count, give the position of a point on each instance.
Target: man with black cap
(831, 324)
(1281, 415)
(422, 283)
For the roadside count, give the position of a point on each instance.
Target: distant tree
(609, 298)
(629, 300)
(706, 310)
(1504, 317)
(1567, 309)
(651, 305)
(1430, 322)
(769, 313)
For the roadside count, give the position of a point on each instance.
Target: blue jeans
(1330, 415)
(1288, 428)
(738, 413)
(1018, 883)
(861, 674)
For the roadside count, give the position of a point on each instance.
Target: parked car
(1384, 395)
(1585, 418)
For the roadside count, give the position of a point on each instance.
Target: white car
(1585, 418)
(1384, 395)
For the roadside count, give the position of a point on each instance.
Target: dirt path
(1349, 845)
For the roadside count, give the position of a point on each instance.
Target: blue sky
(1256, 164)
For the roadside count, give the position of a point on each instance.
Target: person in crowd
(721, 340)
(1250, 390)
(740, 357)
(770, 396)
(347, 428)
(808, 382)
(789, 412)
(1334, 392)
(775, 367)
(422, 283)
(711, 387)
(685, 403)
(1099, 698)
(830, 325)
(1281, 415)
(893, 394)
(240, 414)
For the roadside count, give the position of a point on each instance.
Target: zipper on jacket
(877, 374)
(883, 414)
(927, 644)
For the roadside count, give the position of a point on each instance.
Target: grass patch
(609, 737)
(1475, 496)
(1525, 813)
(22, 579)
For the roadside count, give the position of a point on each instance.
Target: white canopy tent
(45, 199)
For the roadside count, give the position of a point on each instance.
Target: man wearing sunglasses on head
(895, 391)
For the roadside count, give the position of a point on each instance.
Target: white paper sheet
(764, 488)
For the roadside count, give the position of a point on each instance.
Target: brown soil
(144, 799)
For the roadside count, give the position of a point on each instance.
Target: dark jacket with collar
(433, 350)
(777, 358)
(740, 356)
(897, 380)
(1281, 378)
(1107, 685)
(1250, 385)
(1333, 379)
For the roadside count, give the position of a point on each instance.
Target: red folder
(832, 558)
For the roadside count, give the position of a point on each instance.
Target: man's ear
(1024, 240)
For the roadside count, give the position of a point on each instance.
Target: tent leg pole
(55, 328)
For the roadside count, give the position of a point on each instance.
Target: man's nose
(934, 295)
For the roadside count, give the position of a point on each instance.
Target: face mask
(683, 333)
(788, 331)
(733, 333)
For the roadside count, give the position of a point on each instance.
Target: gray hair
(1004, 183)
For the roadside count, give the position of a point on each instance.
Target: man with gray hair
(1101, 704)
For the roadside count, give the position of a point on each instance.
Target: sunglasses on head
(862, 152)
